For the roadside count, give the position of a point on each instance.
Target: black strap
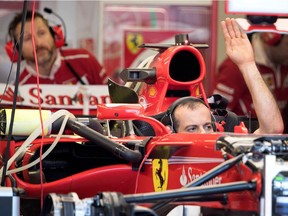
(73, 71)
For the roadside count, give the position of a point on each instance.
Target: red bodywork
(169, 161)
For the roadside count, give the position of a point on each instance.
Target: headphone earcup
(271, 38)
(58, 36)
(11, 51)
(166, 120)
(56, 32)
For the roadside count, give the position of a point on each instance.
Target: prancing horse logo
(160, 174)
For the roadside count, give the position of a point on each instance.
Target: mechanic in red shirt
(56, 65)
(271, 57)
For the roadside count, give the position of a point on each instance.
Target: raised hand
(238, 46)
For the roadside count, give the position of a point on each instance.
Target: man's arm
(230, 84)
(240, 51)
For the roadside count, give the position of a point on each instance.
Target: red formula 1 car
(125, 157)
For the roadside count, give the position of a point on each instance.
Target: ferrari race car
(125, 161)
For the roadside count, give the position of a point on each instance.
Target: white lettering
(192, 176)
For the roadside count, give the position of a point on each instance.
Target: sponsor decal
(56, 96)
(133, 41)
(143, 101)
(152, 91)
(188, 176)
(9, 96)
(160, 174)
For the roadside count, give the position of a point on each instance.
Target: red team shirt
(83, 63)
(231, 85)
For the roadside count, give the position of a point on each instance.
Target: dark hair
(18, 19)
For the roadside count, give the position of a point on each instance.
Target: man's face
(279, 52)
(44, 42)
(196, 120)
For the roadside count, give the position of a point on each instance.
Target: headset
(11, 46)
(270, 38)
(167, 119)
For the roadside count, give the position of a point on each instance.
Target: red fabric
(236, 91)
(84, 63)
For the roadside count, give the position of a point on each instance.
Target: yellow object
(25, 121)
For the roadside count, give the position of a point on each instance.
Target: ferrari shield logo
(160, 174)
(134, 40)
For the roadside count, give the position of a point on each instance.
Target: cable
(50, 11)
(73, 71)
(52, 146)
(38, 97)
(58, 114)
(7, 151)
